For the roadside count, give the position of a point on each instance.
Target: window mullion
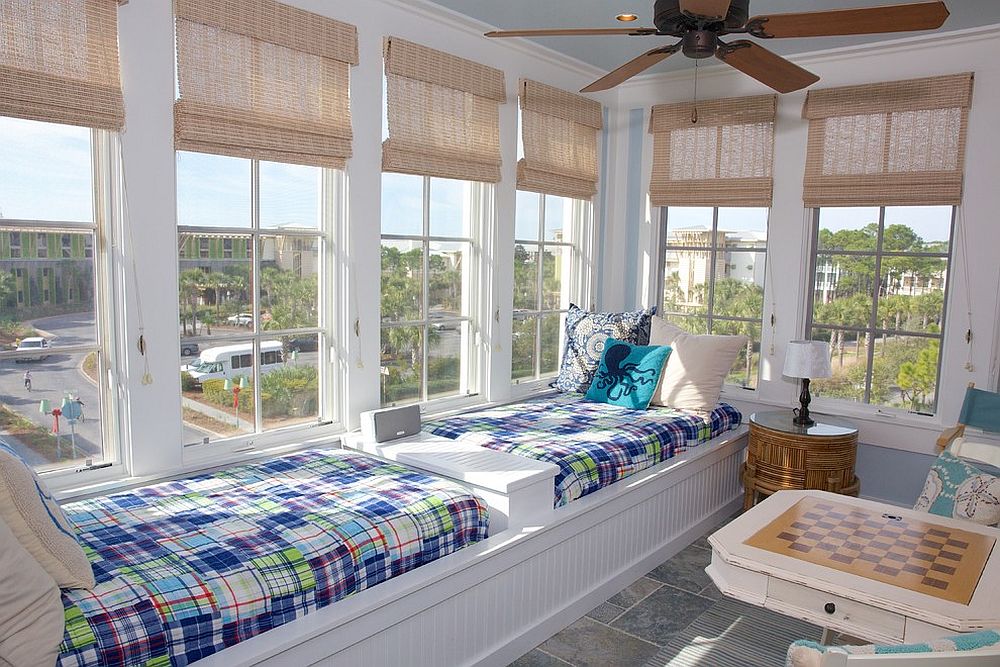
(713, 260)
(255, 246)
(873, 317)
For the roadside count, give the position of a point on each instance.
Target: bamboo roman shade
(443, 114)
(59, 62)
(264, 80)
(722, 159)
(898, 143)
(559, 135)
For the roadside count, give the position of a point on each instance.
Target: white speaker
(390, 423)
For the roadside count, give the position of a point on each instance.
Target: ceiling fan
(700, 23)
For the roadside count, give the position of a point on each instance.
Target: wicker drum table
(782, 455)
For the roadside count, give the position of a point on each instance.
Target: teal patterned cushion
(960, 490)
(585, 336)
(805, 653)
(628, 374)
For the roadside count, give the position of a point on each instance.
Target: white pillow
(696, 369)
(39, 524)
(31, 609)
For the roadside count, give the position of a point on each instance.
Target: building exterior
(48, 269)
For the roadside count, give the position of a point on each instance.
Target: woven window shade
(444, 116)
(724, 159)
(884, 144)
(559, 135)
(264, 80)
(59, 62)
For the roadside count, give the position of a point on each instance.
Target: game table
(867, 569)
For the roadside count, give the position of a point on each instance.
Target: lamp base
(802, 412)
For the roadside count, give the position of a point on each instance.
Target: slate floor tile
(636, 591)
(605, 612)
(588, 643)
(685, 570)
(536, 658)
(662, 615)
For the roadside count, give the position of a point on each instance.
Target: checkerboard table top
(917, 555)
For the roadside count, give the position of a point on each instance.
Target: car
(240, 320)
(305, 344)
(35, 344)
(189, 349)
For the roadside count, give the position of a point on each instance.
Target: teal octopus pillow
(628, 374)
(960, 490)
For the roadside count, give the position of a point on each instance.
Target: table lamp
(806, 359)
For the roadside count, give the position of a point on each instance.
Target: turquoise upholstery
(981, 409)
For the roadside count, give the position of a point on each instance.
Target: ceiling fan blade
(863, 21)
(571, 32)
(707, 9)
(631, 68)
(767, 67)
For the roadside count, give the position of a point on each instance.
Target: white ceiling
(610, 52)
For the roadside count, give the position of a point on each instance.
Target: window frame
(875, 331)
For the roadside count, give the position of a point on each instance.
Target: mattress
(594, 444)
(187, 568)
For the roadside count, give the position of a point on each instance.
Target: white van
(233, 361)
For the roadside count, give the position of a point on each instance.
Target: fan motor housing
(667, 17)
(699, 43)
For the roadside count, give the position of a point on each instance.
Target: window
(549, 242)
(878, 299)
(52, 197)
(713, 268)
(241, 300)
(428, 290)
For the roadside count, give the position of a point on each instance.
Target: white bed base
(493, 601)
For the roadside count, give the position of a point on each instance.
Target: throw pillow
(31, 609)
(627, 374)
(697, 367)
(960, 490)
(39, 524)
(585, 336)
(805, 653)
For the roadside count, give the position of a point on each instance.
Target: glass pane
(843, 290)
(558, 217)
(213, 190)
(695, 325)
(211, 410)
(402, 280)
(552, 329)
(67, 382)
(915, 304)
(556, 262)
(45, 171)
(745, 369)
(918, 228)
(444, 358)
(523, 348)
(446, 266)
(289, 386)
(290, 195)
(526, 259)
(849, 228)
(526, 221)
(689, 226)
(215, 284)
(402, 204)
(289, 286)
(401, 366)
(849, 359)
(448, 209)
(743, 227)
(742, 298)
(685, 284)
(905, 372)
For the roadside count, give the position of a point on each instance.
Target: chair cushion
(697, 367)
(627, 374)
(31, 608)
(38, 523)
(956, 489)
(585, 336)
(805, 653)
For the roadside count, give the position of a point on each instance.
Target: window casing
(879, 298)
(712, 276)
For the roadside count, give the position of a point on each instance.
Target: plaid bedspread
(189, 567)
(594, 444)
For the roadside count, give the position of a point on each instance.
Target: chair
(978, 649)
(980, 410)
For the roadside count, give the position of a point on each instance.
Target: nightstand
(782, 455)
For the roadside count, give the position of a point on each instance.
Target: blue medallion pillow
(628, 374)
(585, 336)
(960, 490)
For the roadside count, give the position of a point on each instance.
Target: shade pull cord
(140, 343)
(969, 366)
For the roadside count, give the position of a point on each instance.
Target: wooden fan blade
(706, 9)
(767, 67)
(571, 32)
(864, 21)
(631, 68)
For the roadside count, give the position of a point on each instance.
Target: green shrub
(214, 392)
(188, 383)
(292, 390)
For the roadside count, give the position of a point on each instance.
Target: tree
(917, 379)
(8, 286)
(735, 298)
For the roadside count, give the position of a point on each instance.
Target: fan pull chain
(694, 111)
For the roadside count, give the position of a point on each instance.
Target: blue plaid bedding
(594, 444)
(187, 568)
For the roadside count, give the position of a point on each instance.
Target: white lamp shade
(807, 359)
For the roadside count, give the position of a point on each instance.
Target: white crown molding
(458, 21)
